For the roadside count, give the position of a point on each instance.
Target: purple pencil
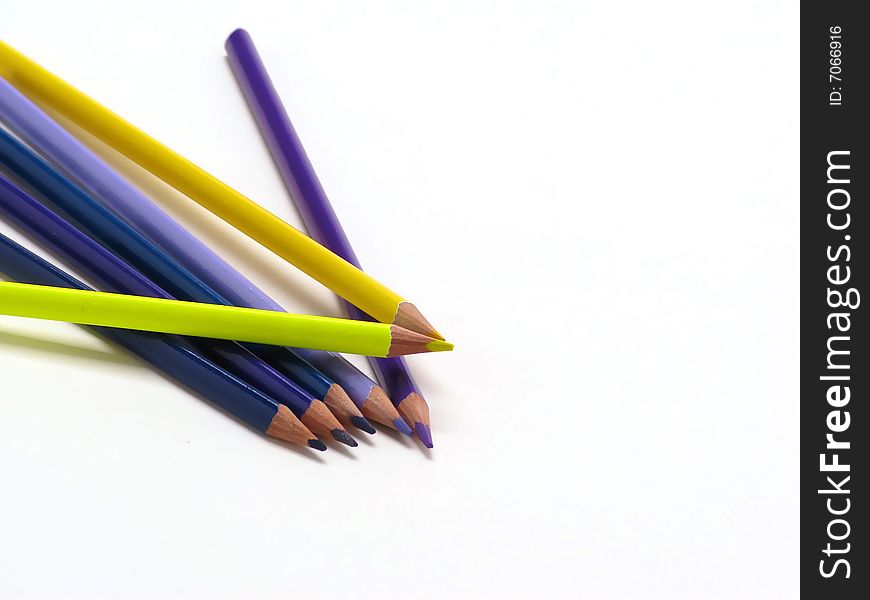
(315, 209)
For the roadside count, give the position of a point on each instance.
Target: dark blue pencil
(113, 274)
(170, 355)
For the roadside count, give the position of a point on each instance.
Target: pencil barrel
(194, 319)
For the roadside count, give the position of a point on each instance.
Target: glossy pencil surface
(314, 207)
(171, 356)
(346, 280)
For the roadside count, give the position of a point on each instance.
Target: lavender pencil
(315, 209)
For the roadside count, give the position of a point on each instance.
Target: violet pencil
(315, 209)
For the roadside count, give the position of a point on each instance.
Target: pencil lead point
(316, 444)
(402, 427)
(344, 437)
(439, 346)
(363, 424)
(425, 434)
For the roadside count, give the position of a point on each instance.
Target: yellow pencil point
(439, 346)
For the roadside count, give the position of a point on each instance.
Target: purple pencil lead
(425, 434)
(402, 427)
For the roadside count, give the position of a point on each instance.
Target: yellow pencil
(212, 321)
(287, 242)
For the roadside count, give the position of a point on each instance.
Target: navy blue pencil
(117, 276)
(171, 356)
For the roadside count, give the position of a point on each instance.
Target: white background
(597, 202)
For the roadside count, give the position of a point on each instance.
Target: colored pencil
(365, 393)
(172, 357)
(315, 382)
(112, 273)
(326, 382)
(332, 271)
(204, 320)
(315, 209)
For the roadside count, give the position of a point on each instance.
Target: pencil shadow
(121, 357)
(54, 347)
(340, 448)
(301, 451)
(307, 453)
(175, 203)
(394, 435)
(365, 439)
(426, 377)
(406, 441)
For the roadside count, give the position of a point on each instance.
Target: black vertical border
(826, 128)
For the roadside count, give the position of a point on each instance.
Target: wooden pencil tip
(286, 426)
(378, 407)
(340, 404)
(409, 317)
(319, 419)
(415, 411)
(404, 341)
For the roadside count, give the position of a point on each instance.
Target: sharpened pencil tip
(363, 424)
(409, 317)
(439, 346)
(425, 434)
(402, 427)
(344, 437)
(317, 445)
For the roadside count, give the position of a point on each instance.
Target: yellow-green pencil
(212, 321)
